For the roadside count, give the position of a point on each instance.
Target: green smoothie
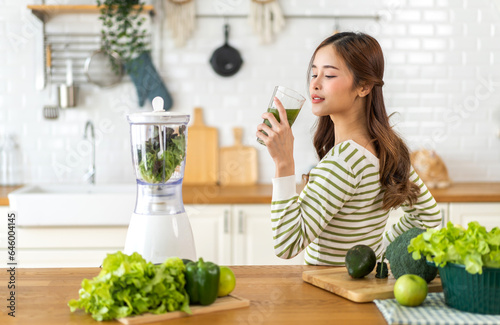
(291, 115)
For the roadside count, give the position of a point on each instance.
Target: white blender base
(158, 237)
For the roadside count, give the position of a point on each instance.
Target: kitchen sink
(73, 205)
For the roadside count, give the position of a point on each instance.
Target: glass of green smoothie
(292, 102)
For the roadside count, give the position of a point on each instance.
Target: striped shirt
(341, 206)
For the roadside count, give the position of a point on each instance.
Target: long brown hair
(365, 60)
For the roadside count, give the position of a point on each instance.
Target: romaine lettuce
(128, 285)
(473, 247)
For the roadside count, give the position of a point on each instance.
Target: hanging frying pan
(226, 60)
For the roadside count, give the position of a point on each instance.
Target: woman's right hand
(279, 141)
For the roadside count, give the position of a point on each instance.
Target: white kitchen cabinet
(67, 246)
(395, 215)
(253, 239)
(62, 246)
(487, 214)
(225, 234)
(235, 234)
(211, 225)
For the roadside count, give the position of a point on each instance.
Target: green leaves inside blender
(156, 166)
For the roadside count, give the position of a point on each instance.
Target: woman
(364, 169)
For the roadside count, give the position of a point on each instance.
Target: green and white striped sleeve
(423, 214)
(298, 220)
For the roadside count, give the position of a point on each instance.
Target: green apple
(410, 290)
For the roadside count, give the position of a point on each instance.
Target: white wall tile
(455, 29)
(407, 44)
(435, 16)
(421, 29)
(435, 43)
(421, 3)
(420, 58)
(408, 15)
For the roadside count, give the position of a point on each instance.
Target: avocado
(360, 260)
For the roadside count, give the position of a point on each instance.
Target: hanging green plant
(123, 30)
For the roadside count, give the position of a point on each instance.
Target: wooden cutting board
(238, 163)
(202, 158)
(366, 289)
(224, 303)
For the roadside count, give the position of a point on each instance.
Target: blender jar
(159, 227)
(158, 146)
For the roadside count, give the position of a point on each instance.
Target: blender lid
(156, 117)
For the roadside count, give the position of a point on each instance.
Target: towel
(147, 81)
(433, 311)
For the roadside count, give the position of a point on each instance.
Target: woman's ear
(364, 90)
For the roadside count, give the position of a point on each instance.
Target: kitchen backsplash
(442, 79)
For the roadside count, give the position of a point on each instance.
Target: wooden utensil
(223, 303)
(202, 158)
(238, 163)
(369, 288)
(49, 111)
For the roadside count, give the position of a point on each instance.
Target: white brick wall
(442, 77)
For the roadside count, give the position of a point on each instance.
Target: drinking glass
(291, 100)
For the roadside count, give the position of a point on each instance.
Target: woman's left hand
(279, 141)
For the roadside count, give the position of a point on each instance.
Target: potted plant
(123, 32)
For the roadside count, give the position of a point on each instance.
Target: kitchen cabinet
(253, 236)
(237, 234)
(395, 215)
(211, 231)
(67, 246)
(487, 214)
(228, 234)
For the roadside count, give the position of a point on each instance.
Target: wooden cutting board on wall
(238, 163)
(202, 158)
(369, 288)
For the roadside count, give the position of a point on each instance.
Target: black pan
(226, 60)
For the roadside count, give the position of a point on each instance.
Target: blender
(159, 227)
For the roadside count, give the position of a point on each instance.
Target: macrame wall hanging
(266, 18)
(181, 18)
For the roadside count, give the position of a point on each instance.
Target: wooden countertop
(468, 192)
(277, 294)
(4, 191)
(261, 193)
(457, 192)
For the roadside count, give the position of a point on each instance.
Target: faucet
(90, 175)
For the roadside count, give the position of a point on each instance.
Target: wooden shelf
(43, 12)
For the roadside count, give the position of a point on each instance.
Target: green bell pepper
(202, 282)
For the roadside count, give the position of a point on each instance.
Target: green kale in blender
(158, 166)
